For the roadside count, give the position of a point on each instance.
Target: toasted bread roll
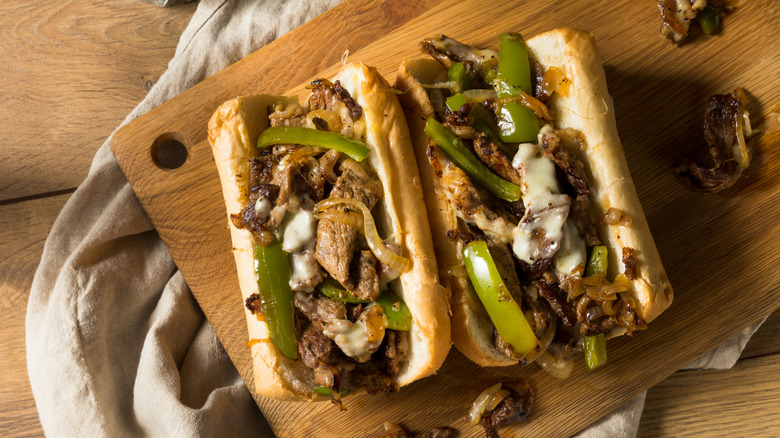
(234, 130)
(585, 107)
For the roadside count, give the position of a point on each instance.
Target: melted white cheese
(298, 231)
(539, 233)
(354, 338)
(263, 207)
(572, 252)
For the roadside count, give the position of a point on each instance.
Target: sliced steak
(497, 161)
(570, 165)
(319, 310)
(337, 242)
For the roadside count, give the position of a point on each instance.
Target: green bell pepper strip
(480, 123)
(463, 158)
(313, 137)
(272, 271)
(398, 315)
(507, 317)
(709, 19)
(325, 391)
(595, 350)
(332, 289)
(516, 122)
(597, 264)
(457, 75)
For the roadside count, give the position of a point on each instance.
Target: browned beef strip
(343, 95)
(579, 212)
(537, 82)
(328, 162)
(363, 277)
(395, 351)
(514, 408)
(465, 235)
(558, 300)
(322, 95)
(724, 112)
(314, 347)
(503, 346)
(337, 242)
(319, 310)
(629, 260)
(497, 161)
(566, 162)
(535, 271)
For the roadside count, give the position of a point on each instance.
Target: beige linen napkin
(116, 344)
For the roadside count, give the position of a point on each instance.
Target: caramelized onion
(544, 342)
(332, 119)
(479, 95)
(555, 366)
(554, 80)
(496, 398)
(478, 407)
(613, 216)
(530, 102)
(375, 243)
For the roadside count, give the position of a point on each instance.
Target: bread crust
(233, 131)
(587, 108)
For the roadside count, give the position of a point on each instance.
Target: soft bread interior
(586, 108)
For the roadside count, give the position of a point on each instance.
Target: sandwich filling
(519, 192)
(309, 210)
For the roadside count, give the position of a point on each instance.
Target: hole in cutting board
(169, 151)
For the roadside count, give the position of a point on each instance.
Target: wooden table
(74, 69)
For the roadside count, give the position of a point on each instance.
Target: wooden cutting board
(721, 251)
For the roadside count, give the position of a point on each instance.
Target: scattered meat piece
(558, 300)
(580, 214)
(726, 128)
(514, 408)
(497, 161)
(677, 16)
(459, 122)
(337, 242)
(566, 162)
(629, 260)
(393, 430)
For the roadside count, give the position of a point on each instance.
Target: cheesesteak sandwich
(539, 234)
(332, 246)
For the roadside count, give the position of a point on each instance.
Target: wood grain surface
(71, 72)
(100, 94)
(708, 243)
